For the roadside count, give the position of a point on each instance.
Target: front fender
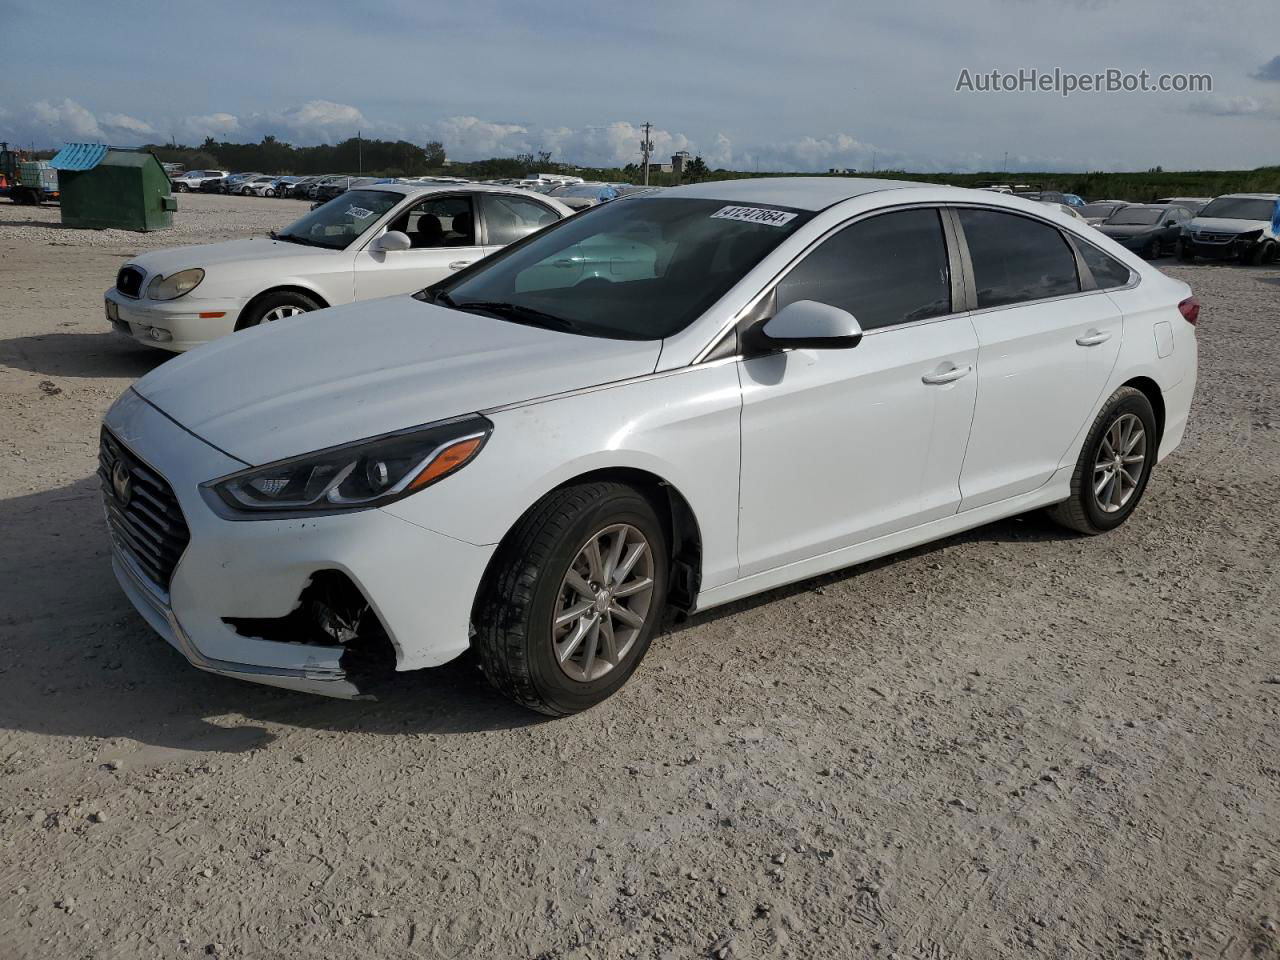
(682, 426)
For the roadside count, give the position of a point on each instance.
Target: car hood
(1124, 230)
(1222, 225)
(206, 255)
(346, 373)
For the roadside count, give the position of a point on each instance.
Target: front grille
(129, 282)
(1205, 237)
(146, 523)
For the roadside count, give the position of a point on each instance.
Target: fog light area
(331, 611)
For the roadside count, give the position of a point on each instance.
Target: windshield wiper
(513, 312)
(293, 238)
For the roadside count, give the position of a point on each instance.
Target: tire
(1273, 252)
(274, 306)
(1257, 256)
(180, 188)
(529, 583)
(1184, 253)
(1152, 250)
(268, 192)
(1090, 512)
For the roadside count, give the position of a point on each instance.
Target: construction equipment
(25, 180)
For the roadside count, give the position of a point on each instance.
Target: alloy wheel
(1117, 469)
(604, 602)
(280, 312)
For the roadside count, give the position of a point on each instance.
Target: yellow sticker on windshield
(770, 218)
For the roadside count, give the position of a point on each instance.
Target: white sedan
(372, 242)
(676, 400)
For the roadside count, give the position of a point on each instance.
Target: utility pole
(360, 153)
(1006, 161)
(646, 149)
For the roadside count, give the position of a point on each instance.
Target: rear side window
(1107, 271)
(1016, 259)
(507, 219)
(887, 270)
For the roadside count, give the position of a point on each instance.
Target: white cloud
(65, 120)
(216, 125)
(1228, 106)
(123, 123)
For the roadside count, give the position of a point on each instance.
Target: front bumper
(419, 584)
(173, 325)
(1232, 249)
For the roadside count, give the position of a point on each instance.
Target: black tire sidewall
(552, 684)
(1140, 406)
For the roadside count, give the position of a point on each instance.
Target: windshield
(1240, 208)
(1098, 209)
(1136, 216)
(639, 270)
(340, 221)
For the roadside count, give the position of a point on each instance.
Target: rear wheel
(573, 598)
(276, 306)
(1114, 465)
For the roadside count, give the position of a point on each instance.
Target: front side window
(640, 270)
(507, 219)
(446, 221)
(340, 221)
(886, 270)
(1016, 258)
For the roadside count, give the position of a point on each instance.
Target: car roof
(414, 189)
(804, 193)
(1248, 196)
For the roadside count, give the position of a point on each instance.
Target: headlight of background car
(175, 285)
(368, 473)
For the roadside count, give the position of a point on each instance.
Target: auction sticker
(770, 218)
(360, 213)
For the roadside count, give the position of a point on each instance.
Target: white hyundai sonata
(672, 401)
(376, 241)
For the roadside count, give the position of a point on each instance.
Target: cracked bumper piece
(419, 584)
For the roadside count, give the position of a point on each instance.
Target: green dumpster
(113, 187)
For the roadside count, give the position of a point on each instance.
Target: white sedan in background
(370, 242)
(676, 400)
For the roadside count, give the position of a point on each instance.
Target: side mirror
(1171, 223)
(391, 241)
(807, 324)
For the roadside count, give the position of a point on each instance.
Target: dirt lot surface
(1014, 743)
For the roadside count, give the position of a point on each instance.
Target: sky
(804, 85)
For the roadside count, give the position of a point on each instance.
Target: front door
(843, 446)
(443, 234)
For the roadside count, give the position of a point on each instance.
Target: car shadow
(76, 660)
(81, 355)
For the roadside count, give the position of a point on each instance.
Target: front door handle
(947, 376)
(1093, 338)
(459, 264)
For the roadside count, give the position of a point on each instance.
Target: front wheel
(573, 598)
(180, 188)
(1114, 466)
(1184, 252)
(1152, 250)
(276, 306)
(268, 192)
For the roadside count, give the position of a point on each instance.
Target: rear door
(1045, 351)
(443, 232)
(843, 446)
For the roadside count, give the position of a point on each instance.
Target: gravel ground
(1013, 743)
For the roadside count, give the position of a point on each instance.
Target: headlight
(356, 476)
(174, 285)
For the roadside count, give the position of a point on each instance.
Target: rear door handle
(459, 264)
(1093, 338)
(947, 376)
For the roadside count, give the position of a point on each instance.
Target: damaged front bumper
(325, 604)
(322, 672)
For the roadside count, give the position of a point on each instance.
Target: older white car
(372, 242)
(675, 400)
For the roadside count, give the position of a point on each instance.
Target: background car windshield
(341, 220)
(639, 270)
(1139, 217)
(1240, 208)
(1098, 209)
